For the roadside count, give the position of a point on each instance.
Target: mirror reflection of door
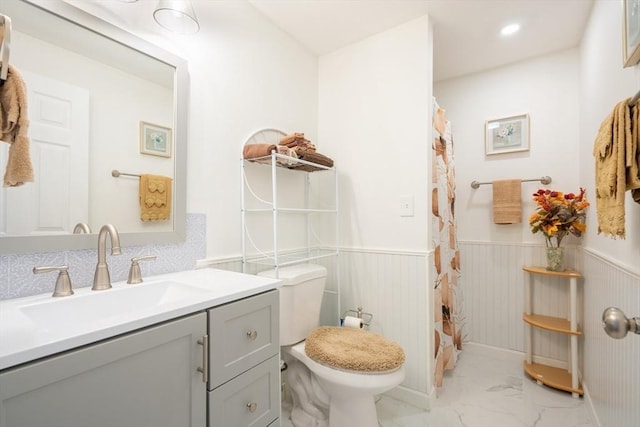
(59, 134)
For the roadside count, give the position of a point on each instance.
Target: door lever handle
(617, 325)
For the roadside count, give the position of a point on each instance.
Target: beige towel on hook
(155, 198)
(14, 129)
(610, 170)
(633, 155)
(507, 201)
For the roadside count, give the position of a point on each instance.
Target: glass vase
(555, 259)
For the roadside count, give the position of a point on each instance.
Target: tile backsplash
(17, 278)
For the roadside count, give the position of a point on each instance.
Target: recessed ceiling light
(510, 29)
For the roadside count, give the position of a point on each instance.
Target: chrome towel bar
(545, 180)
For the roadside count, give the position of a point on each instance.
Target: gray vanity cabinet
(244, 378)
(134, 380)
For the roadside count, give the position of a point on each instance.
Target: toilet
(329, 386)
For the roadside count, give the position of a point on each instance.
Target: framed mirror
(99, 99)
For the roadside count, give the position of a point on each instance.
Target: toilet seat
(353, 350)
(370, 380)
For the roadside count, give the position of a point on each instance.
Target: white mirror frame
(36, 244)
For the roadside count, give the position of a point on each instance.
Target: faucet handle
(63, 282)
(135, 275)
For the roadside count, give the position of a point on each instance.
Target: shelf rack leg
(574, 338)
(274, 195)
(243, 217)
(527, 309)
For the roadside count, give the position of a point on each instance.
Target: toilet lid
(353, 349)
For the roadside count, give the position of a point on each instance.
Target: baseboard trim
(593, 415)
(412, 397)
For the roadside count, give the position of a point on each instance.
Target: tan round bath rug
(353, 349)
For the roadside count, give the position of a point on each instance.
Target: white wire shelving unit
(273, 202)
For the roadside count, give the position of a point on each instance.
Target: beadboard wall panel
(611, 366)
(393, 287)
(494, 295)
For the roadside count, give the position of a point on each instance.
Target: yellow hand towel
(507, 201)
(155, 197)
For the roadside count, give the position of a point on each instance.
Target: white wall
(375, 120)
(546, 88)
(246, 74)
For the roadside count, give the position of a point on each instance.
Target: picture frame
(155, 140)
(631, 32)
(506, 135)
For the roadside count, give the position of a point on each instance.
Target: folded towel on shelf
(507, 201)
(155, 197)
(305, 146)
(14, 125)
(253, 151)
(286, 151)
(287, 139)
(298, 142)
(313, 157)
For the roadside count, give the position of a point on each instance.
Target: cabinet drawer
(242, 334)
(251, 399)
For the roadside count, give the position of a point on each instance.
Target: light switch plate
(406, 205)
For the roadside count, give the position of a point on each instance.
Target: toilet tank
(301, 292)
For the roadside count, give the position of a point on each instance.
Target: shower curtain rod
(545, 180)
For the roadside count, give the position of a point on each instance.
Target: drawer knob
(252, 334)
(252, 406)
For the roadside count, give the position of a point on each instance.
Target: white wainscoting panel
(611, 370)
(494, 295)
(393, 287)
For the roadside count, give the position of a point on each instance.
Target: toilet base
(356, 411)
(348, 396)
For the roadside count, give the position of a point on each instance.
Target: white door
(59, 134)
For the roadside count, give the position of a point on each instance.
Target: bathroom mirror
(125, 92)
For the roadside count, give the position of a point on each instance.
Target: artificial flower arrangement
(558, 214)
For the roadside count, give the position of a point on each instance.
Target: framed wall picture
(631, 32)
(155, 140)
(506, 135)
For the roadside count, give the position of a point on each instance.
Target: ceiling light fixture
(177, 16)
(510, 29)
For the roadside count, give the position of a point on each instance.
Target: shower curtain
(449, 316)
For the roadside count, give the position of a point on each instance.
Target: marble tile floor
(488, 388)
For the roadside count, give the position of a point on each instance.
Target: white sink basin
(67, 312)
(40, 325)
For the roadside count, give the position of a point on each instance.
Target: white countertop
(40, 325)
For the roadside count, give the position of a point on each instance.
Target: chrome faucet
(101, 279)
